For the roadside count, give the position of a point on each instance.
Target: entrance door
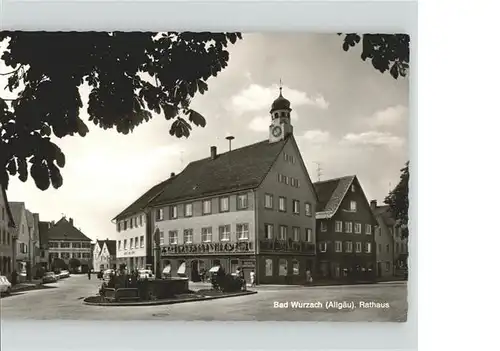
(195, 276)
(234, 266)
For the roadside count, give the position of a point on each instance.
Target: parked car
(5, 285)
(64, 274)
(49, 277)
(146, 274)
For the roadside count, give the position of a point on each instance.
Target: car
(146, 274)
(64, 274)
(5, 285)
(49, 277)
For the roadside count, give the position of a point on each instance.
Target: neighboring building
(344, 230)
(66, 242)
(134, 231)
(392, 248)
(104, 256)
(34, 233)
(22, 237)
(252, 207)
(7, 225)
(43, 230)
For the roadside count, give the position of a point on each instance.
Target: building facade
(7, 225)
(134, 224)
(21, 236)
(392, 247)
(65, 242)
(252, 207)
(104, 255)
(345, 231)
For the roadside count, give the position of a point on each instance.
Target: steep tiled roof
(43, 228)
(331, 193)
(111, 244)
(143, 201)
(17, 209)
(240, 169)
(12, 223)
(63, 230)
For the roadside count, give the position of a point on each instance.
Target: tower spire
(281, 87)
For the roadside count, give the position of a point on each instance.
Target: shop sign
(208, 248)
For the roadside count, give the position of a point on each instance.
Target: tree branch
(9, 73)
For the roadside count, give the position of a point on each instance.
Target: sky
(347, 117)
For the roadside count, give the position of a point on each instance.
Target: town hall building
(252, 207)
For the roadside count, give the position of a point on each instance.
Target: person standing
(252, 278)
(88, 273)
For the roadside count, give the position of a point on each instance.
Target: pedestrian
(252, 278)
(88, 273)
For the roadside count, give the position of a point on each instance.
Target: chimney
(213, 152)
(373, 204)
(71, 221)
(172, 175)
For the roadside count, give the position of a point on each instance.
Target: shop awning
(167, 269)
(214, 269)
(182, 268)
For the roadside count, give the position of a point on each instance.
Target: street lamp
(156, 239)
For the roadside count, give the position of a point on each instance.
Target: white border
(318, 16)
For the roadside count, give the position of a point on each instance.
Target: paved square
(384, 302)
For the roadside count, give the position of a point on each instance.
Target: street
(64, 301)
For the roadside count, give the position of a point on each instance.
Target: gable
(332, 196)
(291, 168)
(5, 203)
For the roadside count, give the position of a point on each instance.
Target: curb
(167, 302)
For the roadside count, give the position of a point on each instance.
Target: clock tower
(281, 125)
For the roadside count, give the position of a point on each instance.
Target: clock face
(277, 131)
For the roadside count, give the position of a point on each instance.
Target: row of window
(282, 205)
(288, 180)
(134, 222)
(242, 233)
(346, 227)
(67, 245)
(133, 243)
(241, 204)
(396, 230)
(346, 246)
(68, 255)
(398, 249)
(289, 158)
(5, 236)
(283, 233)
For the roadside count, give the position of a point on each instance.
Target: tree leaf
(197, 119)
(169, 111)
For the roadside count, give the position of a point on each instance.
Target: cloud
(389, 117)
(372, 138)
(316, 136)
(259, 124)
(257, 97)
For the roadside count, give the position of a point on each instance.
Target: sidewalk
(26, 285)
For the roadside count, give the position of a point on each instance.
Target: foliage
(388, 52)
(59, 264)
(130, 75)
(398, 200)
(74, 263)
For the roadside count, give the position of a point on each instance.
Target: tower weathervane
(281, 86)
